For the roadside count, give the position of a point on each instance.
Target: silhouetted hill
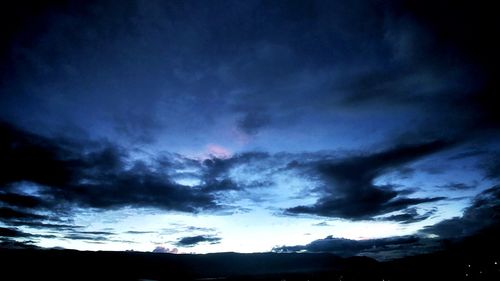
(62, 264)
(474, 258)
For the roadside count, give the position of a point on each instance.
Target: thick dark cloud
(20, 200)
(87, 237)
(457, 186)
(215, 171)
(384, 248)
(68, 175)
(87, 174)
(14, 238)
(13, 244)
(12, 234)
(7, 213)
(141, 188)
(220, 185)
(50, 226)
(81, 175)
(482, 213)
(194, 240)
(72, 232)
(410, 215)
(217, 167)
(491, 166)
(469, 153)
(29, 157)
(9, 232)
(349, 190)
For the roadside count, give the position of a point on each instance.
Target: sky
(351, 127)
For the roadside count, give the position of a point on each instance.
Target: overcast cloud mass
(351, 127)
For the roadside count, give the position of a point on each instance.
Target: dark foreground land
(474, 259)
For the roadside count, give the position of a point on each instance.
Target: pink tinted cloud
(218, 151)
(161, 249)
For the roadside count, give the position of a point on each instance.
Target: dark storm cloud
(30, 217)
(409, 215)
(60, 227)
(32, 158)
(46, 224)
(491, 166)
(20, 200)
(76, 236)
(220, 185)
(349, 190)
(70, 173)
(384, 248)
(10, 232)
(469, 153)
(217, 167)
(13, 244)
(194, 240)
(457, 186)
(66, 230)
(7, 213)
(140, 187)
(482, 213)
(68, 176)
(215, 171)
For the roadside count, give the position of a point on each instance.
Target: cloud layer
(191, 241)
(480, 216)
(349, 190)
(95, 175)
